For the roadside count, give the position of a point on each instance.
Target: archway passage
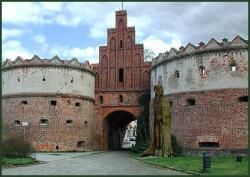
(116, 124)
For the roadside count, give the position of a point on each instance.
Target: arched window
(121, 44)
(202, 70)
(177, 74)
(233, 68)
(121, 75)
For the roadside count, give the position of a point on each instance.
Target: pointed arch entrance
(115, 125)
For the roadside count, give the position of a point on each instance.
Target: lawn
(18, 161)
(219, 165)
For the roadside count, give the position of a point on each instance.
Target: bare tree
(148, 54)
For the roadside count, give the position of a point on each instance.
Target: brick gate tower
(121, 77)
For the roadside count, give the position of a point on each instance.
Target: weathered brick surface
(121, 52)
(57, 132)
(217, 116)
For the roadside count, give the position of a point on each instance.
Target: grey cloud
(194, 22)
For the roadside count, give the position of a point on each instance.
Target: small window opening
(17, 123)
(121, 75)
(24, 102)
(170, 103)
(57, 147)
(121, 45)
(120, 98)
(190, 102)
(43, 121)
(44, 78)
(18, 79)
(69, 121)
(101, 99)
(243, 99)
(80, 144)
(86, 123)
(72, 80)
(177, 74)
(209, 144)
(202, 70)
(233, 68)
(77, 104)
(53, 102)
(69, 103)
(160, 80)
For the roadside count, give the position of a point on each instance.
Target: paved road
(103, 163)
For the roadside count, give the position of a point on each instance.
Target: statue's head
(158, 90)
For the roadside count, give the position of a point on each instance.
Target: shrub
(15, 146)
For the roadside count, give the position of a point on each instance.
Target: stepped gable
(36, 60)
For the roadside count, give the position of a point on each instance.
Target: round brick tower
(55, 98)
(207, 86)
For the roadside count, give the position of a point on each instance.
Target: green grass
(18, 161)
(219, 165)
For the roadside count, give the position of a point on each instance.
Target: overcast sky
(77, 29)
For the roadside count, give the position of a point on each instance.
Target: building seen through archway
(116, 125)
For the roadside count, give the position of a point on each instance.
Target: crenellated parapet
(214, 65)
(211, 46)
(48, 76)
(36, 61)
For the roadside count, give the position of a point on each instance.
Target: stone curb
(171, 168)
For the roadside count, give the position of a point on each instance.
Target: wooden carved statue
(161, 141)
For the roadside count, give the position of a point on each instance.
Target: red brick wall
(127, 56)
(217, 116)
(56, 132)
(121, 52)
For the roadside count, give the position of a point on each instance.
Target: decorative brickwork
(122, 75)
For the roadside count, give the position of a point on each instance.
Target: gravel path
(103, 163)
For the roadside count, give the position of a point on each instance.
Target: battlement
(37, 61)
(191, 49)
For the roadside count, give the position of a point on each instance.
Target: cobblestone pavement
(102, 163)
